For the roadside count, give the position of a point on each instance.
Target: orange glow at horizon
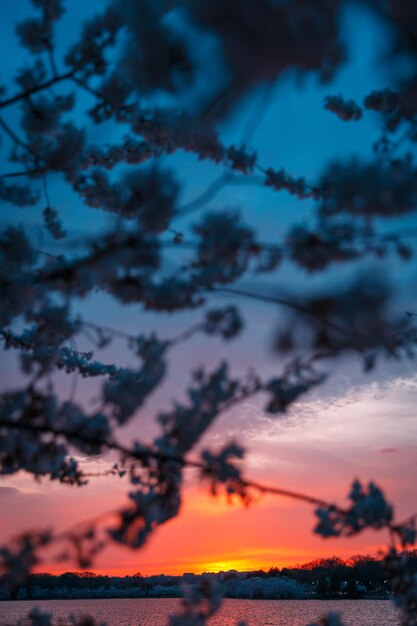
(211, 535)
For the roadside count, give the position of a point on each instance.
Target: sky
(353, 426)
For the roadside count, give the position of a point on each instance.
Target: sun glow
(240, 564)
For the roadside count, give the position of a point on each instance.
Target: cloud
(9, 491)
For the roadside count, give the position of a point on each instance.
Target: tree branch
(29, 92)
(283, 302)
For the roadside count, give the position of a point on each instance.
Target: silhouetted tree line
(324, 578)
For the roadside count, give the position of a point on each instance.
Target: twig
(208, 194)
(16, 139)
(258, 114)
(283, 302)
(24, 95)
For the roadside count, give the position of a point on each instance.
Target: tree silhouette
(101, 114)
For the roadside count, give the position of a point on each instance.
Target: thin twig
(45, 190)
(283, 302)
(16, 139)
(208, 194)
(24, 95)
(258, 114)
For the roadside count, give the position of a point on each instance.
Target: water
(154, 612)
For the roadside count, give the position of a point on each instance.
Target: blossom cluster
(369, 509)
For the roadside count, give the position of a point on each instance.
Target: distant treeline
(359, 576)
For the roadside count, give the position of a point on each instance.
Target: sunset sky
(353, 426)
(367, 431)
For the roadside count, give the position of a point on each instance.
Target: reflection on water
(154, 612)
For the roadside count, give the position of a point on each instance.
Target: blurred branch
(24, 95)
(16, 139)
(282, 302)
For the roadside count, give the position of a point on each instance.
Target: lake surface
(154, 612)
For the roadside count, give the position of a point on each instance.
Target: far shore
(321, 598)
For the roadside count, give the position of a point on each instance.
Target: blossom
(225, 322)
(369, 509)
(53, 224)
(347, 110)
(221, 468)
(200, 601)
(369, 189)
